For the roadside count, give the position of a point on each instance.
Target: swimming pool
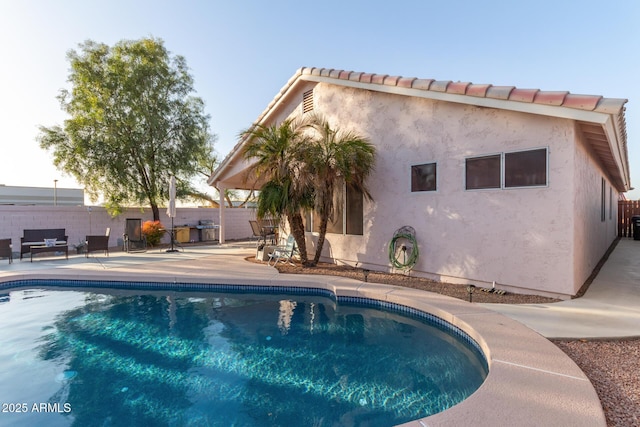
(158, 354)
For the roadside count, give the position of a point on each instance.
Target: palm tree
(334, 158)
(276, 151)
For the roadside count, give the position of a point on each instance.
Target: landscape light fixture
(471, 289)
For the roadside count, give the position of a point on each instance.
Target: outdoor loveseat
(44, 240)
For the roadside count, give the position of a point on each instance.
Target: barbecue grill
(206, 230)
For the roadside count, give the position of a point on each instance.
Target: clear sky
(242, 52)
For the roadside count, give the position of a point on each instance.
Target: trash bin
(182, 234)
(635, 223)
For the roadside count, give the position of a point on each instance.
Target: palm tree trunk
(297, 229)
(324, 221)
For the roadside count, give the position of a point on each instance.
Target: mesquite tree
(133, 121)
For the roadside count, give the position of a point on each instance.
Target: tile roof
(507, 93)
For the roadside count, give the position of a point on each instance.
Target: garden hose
(402, 256)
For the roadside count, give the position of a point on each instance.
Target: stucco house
(516, 187)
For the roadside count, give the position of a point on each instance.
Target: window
(337, 225)
(525, 168)
(423, 177)
(349, 217)
(355, 212)
(482, 172)
(603, 192)
(610, 202)
(507, 170)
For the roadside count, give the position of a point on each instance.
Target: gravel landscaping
(613, 366)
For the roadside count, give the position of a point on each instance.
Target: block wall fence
(80, 221)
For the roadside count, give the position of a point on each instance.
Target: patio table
(37, 249)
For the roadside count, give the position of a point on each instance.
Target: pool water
(167, 358)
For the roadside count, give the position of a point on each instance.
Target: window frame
(310, 225)
(610, 202)
(503, 156)
(546, 172)
(464, 174)
(603, 199)
(435, 190)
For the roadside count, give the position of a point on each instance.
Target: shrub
(153, 231)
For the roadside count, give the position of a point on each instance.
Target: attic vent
(307, 101)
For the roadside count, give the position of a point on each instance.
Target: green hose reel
(403, 249)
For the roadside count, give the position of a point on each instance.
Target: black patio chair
(6, 250)
(134, 240)
(98, 243)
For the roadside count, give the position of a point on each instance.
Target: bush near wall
(153, 232)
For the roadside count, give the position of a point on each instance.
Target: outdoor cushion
(58, 242)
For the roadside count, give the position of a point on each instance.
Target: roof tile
(581, 102)
(423, 84)
(523, 95)
(366, 77)
(477, 90)
(610, 105)
(507, 93)
(392, 80)
(378, 78)
(459, 88)
(550, 98)
(355, 76)
(500, 92)
(406, 82)
(440, 85)
(344, 75)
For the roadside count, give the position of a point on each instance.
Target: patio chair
(6, 249)
(134, 240)
(283, 253)
(262, 230)
(255, 230)
(98, 243)
(268, 229)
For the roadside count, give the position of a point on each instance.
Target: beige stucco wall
(592, 236)
(524, 239)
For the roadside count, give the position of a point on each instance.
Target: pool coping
(530, 380)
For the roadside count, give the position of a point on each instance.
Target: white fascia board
(524, 107)
(617, 151)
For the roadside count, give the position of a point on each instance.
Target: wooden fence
(626, 210)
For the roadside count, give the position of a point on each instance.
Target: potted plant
(81, 247)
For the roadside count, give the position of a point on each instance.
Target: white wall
(521, 238)
(592, 236)
(79, 221)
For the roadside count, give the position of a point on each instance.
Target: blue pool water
(162, 357)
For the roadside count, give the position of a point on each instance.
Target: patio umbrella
(171, 209)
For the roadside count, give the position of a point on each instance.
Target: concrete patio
(609, 309)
